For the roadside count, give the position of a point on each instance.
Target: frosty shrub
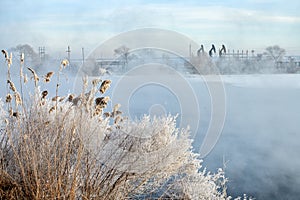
(68, 148)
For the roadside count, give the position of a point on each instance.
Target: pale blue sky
(55, 24)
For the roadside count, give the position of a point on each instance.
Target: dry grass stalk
(9, 60)
(95, 82)
(35, 76)
(25, 78)
(116, 111)
(18, 98)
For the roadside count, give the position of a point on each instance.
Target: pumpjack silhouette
(222, 50)
(213, 49)
(201, 50)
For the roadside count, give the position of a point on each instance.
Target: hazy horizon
(251, 24)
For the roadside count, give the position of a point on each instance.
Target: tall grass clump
(72, 148)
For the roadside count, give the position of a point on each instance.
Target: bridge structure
(289, 64)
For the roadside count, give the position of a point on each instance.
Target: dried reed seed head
(52, 109)
(106, 99)
(6, 122)
(10, 112)
(105, 85)
(44, 94)
(88, 95)
(118, 119)
(64, 62)
(5, 53)
(8, 98)
(102, 106)
(76, 100)
(116, 107)
(85, 82)
(25, 136)
(18, 98)
(96, 81)
(48, 76)
(35, 76)
(102, 100)
(106, 114)
(16, 114)
(98, 110)
(118, 112)
(61, 99)
(31, 70)
(12, 86)
(71, 97)
(98, 100)
(55, 98)
(22, 57)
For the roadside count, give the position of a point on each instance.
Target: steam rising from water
(259, 143)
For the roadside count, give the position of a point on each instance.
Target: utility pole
(42, 53)
(82, 52)
(69, 53)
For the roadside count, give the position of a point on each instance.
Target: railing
(238, 54)
(288, 64)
